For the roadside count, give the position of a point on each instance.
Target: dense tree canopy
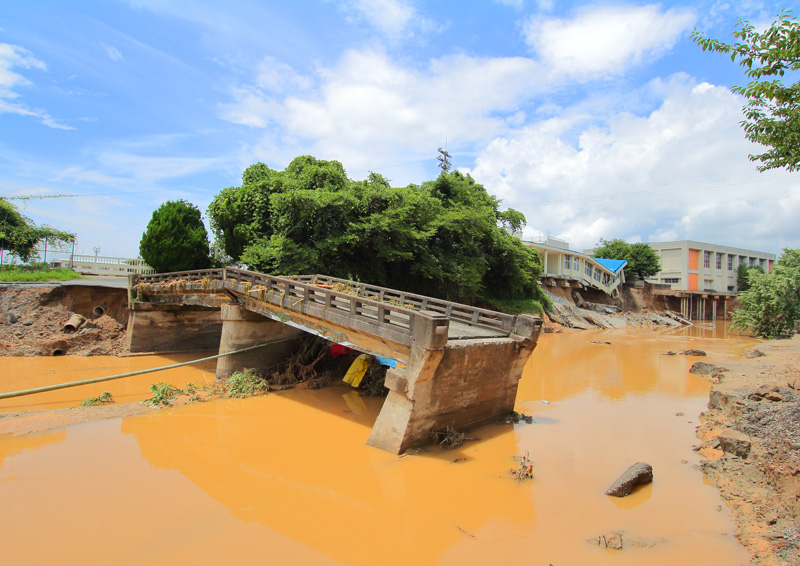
(743, 276)
(20, 235)
(642, 260)
(175, 239)
(773, 109)
(444, 238)
(770, 307)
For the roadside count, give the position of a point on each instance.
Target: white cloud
(14, 56)
(276, 76)
(390, 16)
(113, 53)
(605, 40)
(684, 169)
(367, 108)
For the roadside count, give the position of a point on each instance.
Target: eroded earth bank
(751, 445)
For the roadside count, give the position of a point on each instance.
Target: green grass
(36, 272)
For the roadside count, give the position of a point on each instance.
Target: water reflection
(296, 471)
(288, 478)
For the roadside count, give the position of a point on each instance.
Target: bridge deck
(348, 303)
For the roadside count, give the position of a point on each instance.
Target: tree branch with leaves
(772, 113)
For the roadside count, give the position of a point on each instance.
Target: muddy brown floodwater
(288, 478)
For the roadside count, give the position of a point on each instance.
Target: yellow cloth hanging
(357, 370)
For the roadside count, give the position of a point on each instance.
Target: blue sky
(595, 119)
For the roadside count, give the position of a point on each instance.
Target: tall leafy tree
(444, 238)
(175, 238)
(772, 113)
(20, 236)
(642, 260)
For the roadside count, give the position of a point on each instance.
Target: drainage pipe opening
(99, 311)
(58, 352)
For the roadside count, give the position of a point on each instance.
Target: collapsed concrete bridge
(458, 365)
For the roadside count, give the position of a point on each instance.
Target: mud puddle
(287, 478)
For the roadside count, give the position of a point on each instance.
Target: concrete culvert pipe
(74, 322)
(99, 311)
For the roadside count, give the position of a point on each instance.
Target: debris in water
(449, 437)
(524, 471)
(465, 532)
(514, 418)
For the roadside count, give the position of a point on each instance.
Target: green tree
(770, 307)
(743, 276)
(772, 113)
(175, 238)
(642, 260)
(444, 238)
(20, 236)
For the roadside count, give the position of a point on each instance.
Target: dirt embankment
(751, 445)
(32, 320)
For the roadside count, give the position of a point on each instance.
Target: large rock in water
(638, 474)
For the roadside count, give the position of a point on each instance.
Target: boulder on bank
(693, 353)
(702, 368)
(638, 474)
(735, 443)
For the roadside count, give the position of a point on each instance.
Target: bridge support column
(460, 384)
(171, 328)
(242, 328)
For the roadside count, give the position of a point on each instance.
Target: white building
(694, 266)
(94, 265)
(559, 262)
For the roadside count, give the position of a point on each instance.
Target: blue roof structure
(613, 265)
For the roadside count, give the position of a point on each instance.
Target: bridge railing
(458, 312)
(302, 296)
(371, 303)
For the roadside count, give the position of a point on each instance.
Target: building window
(671, 280)
(596, 274)
(730, 263)
(742, 260)
(719, 261)
(587, 269)
(706, 259)
(576, 264)
(752, 262)
(567, 262)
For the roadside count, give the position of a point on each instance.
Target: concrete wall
(461, 384)
(169, 328)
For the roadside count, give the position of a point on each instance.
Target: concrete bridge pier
(456, 383)
(242, 328)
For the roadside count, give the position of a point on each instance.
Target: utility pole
(444, 159)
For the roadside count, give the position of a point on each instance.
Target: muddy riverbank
(751, 444)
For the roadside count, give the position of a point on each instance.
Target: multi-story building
(561, 263)
(94, 265)
(694, 266)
